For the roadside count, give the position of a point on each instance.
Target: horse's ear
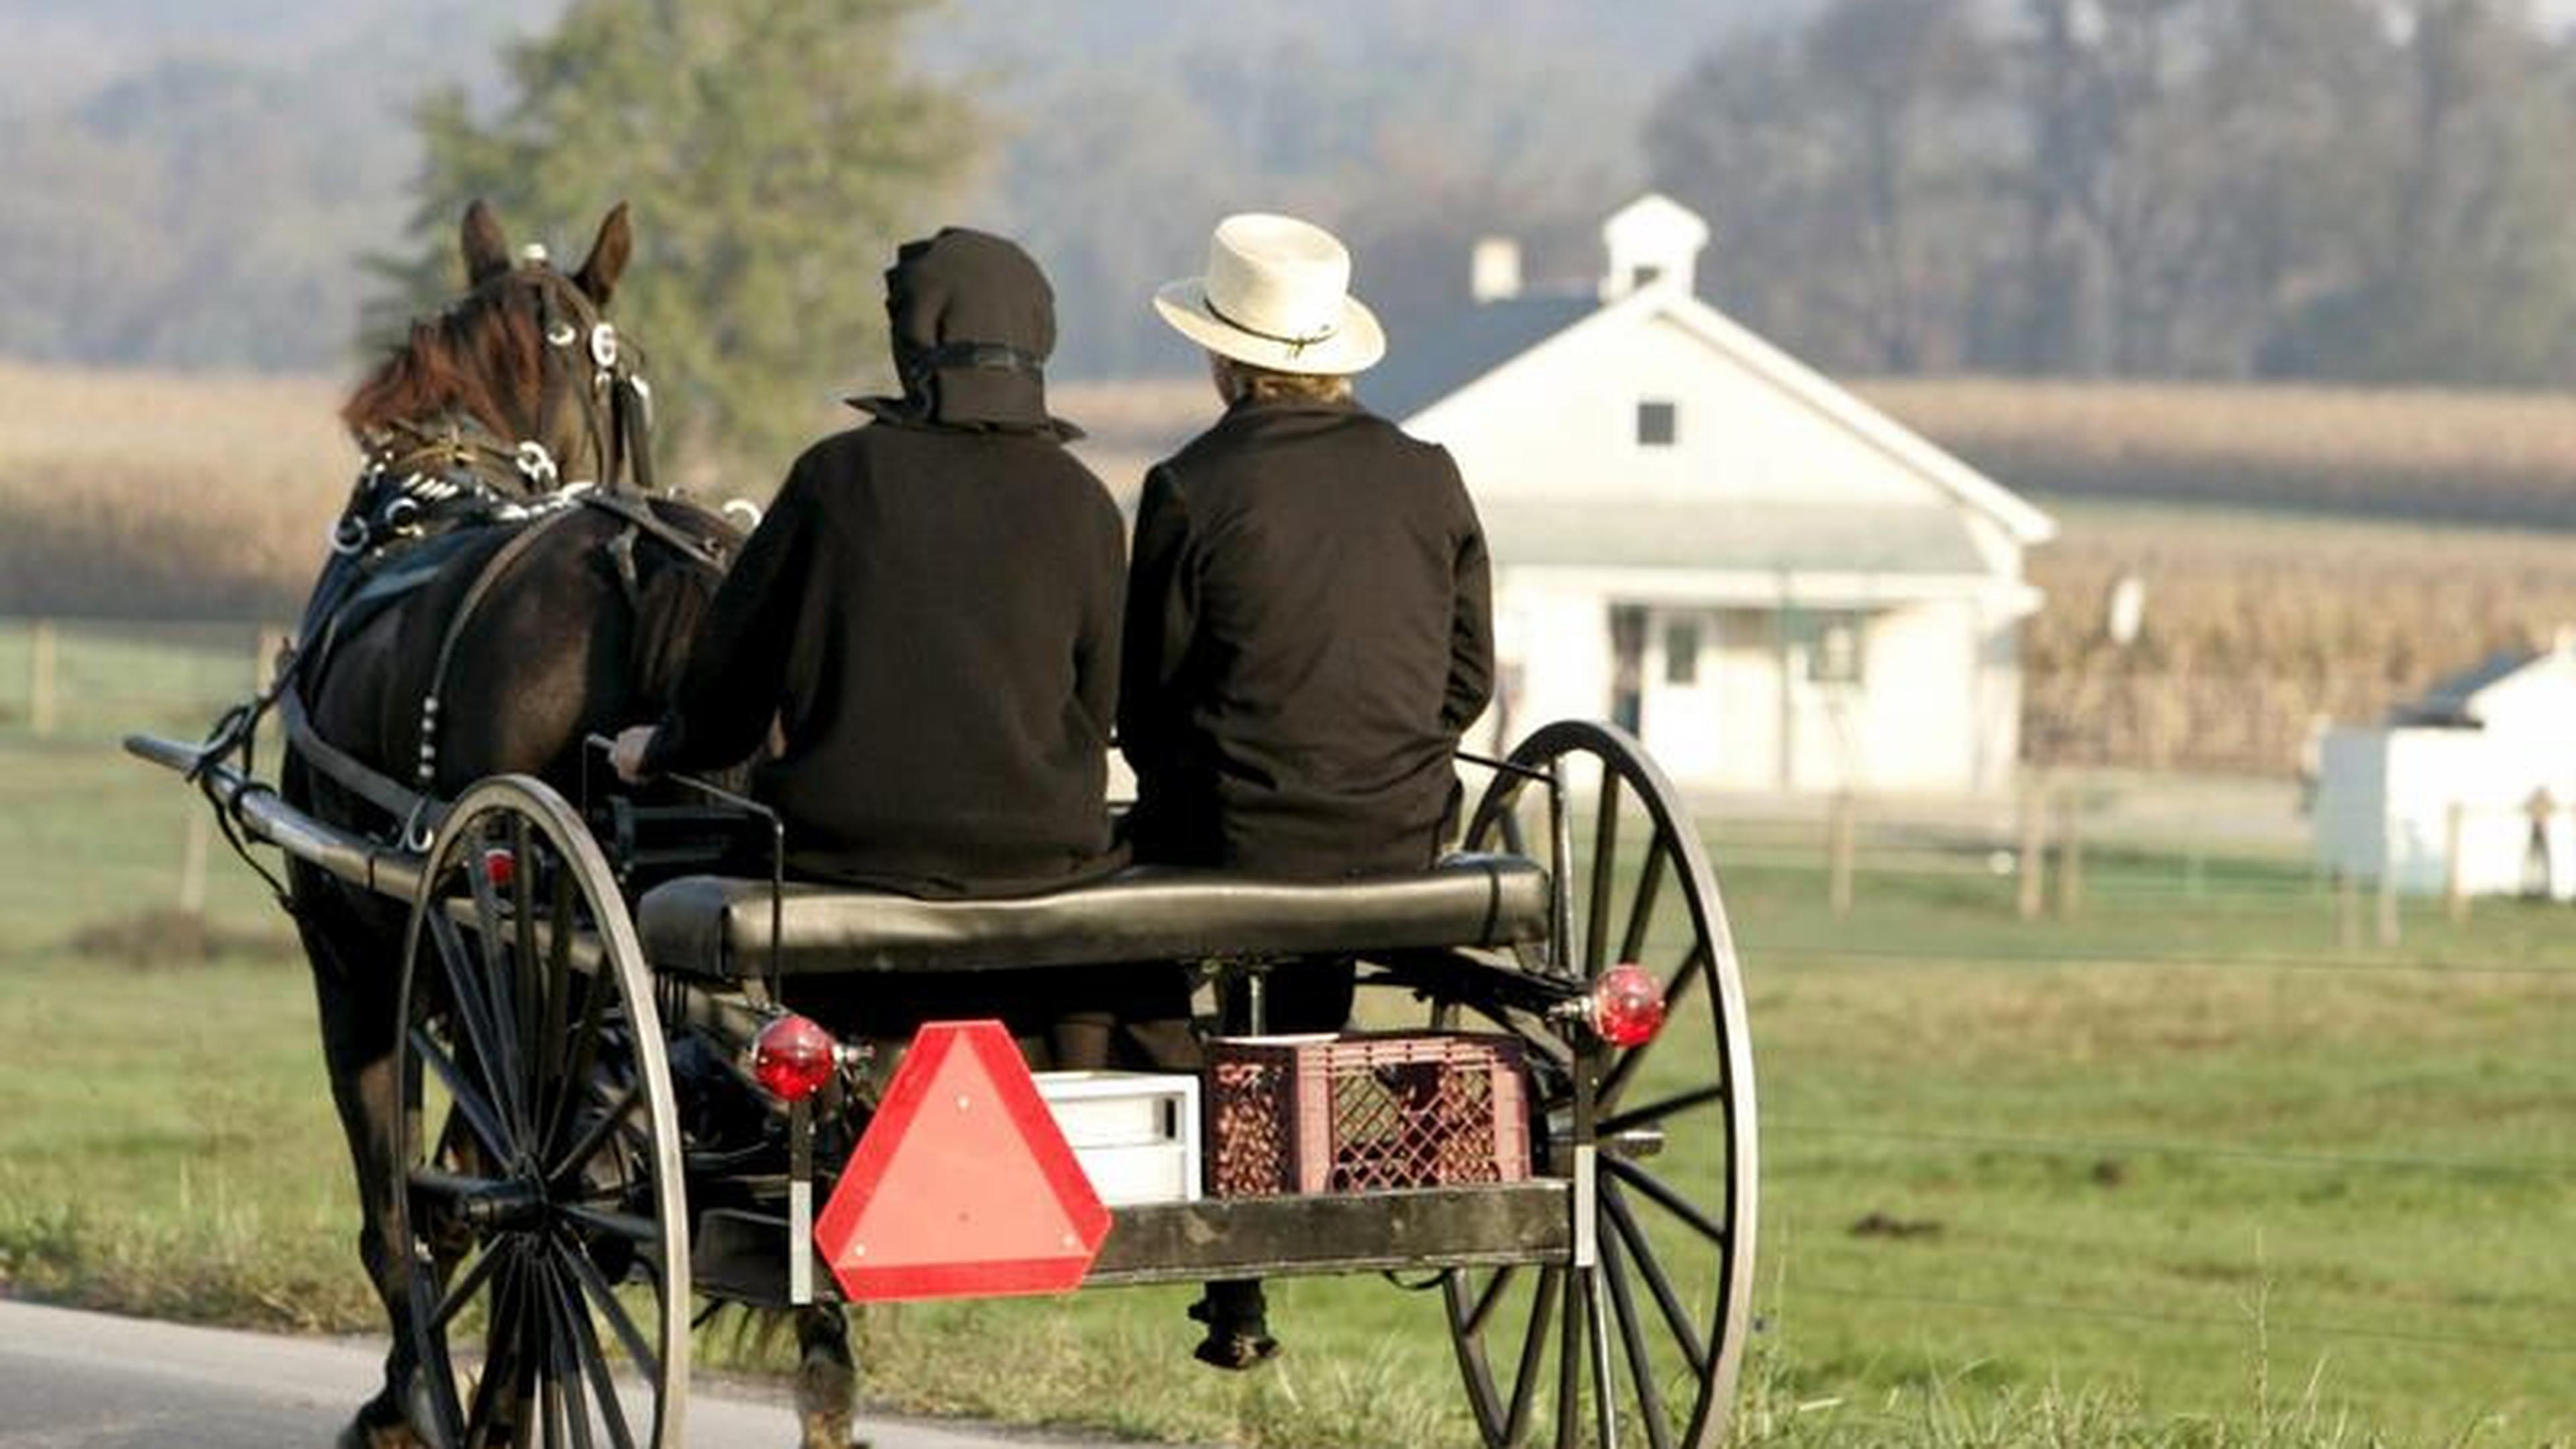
(487, 251)
(608, 253)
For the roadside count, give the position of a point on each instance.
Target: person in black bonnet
(929, 613)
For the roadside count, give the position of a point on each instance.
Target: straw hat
(1276, 295)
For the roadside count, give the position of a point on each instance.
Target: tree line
(2362, 190)
(2365, 190)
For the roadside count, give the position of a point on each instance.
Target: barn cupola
(1653, 241)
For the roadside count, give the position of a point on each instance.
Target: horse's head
(522, 382)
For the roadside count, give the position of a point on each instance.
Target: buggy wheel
(1637, 1341)
(546, 1215)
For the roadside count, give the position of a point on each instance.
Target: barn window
(1656, 424)
(1681, 652)
(1643, 276)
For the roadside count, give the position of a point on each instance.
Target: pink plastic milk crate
(1309, 1114)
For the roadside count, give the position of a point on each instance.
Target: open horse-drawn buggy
(581, 1108)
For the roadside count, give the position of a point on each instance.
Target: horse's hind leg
(353, 993)
(827, 1384)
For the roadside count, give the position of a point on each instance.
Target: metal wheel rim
(579, 1118)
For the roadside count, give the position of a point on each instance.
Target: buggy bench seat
(719, 926)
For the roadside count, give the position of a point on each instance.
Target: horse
(502, 586)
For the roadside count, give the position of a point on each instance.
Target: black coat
(1309, 629)
(931, 615)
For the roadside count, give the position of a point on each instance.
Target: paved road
(97, 1382)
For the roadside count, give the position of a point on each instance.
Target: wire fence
(97, 679)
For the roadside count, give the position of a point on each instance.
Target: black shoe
(1233, 1342)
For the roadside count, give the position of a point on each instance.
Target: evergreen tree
(773, 152)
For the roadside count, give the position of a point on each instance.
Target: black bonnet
(971, 320)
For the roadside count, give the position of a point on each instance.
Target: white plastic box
(1136, 1134)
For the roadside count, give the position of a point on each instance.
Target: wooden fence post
(1838, 844)
(265, 653)
(2033, 863)
(2387, 923)
(40, 677)
(2347, 911)
(2455, 879)
(2070, 854)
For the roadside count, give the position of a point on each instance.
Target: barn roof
(1451, 357)
(2451, 702)
(1430, 362)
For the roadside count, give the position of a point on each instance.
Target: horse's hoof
(825, 1431)
(826, 1391)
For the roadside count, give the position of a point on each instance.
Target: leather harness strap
(416, 807)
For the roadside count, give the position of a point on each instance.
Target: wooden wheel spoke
(501, 1335)
(596, 1135)
(1533, 1354)
(537, 1006)
(629, 1336)
(1605, 876)
(576, 1048)
(639, 1230)
(494, 1060)
(478, 1112)
(466, 1285)
(1632, 1237)
(1641, 911)
(1659, 1109)
(558, 1433)
(1632, 1344)
(1666, 1198)
(587, 1364)
(584, 1050)
(507, 986)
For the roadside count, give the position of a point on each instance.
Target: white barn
(2462, 767)
(1777, 586)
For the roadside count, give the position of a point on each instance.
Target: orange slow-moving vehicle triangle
(962, 1186)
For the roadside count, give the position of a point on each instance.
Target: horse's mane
(484, 355)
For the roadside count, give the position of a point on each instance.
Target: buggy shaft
(263, 815)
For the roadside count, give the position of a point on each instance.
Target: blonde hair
(1262, 384)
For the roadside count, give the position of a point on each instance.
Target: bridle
(423, 474)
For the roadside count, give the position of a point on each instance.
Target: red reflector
(792, 1058)
(1627, 1005)
(500, 867)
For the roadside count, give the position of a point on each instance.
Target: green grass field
(2181, 1170)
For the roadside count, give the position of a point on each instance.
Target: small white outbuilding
(1777, 586)
(2468, 787)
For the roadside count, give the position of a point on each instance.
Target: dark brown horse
(501, 587)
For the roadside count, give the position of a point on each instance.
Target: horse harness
(426, 490)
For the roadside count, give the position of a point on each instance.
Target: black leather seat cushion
(718, 926)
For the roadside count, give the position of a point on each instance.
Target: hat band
(987, 356)
(1294, 344)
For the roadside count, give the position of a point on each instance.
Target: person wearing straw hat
(1309, 621)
